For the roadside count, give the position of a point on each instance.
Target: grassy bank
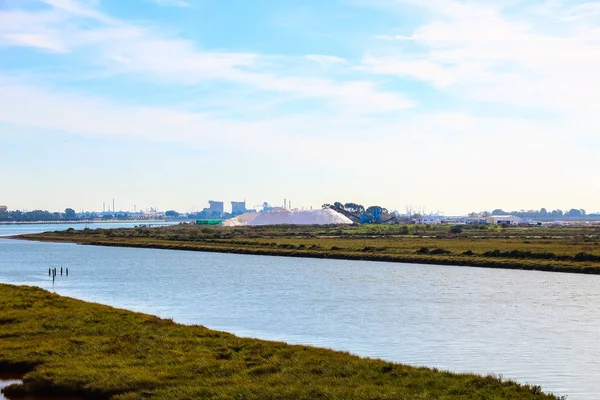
(534, 248)
(70, 347)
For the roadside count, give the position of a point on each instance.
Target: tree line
(542, 213)
(42, 215)
(38, 215)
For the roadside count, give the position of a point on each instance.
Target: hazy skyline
(446, 105)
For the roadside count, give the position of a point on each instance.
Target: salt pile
(292, 217)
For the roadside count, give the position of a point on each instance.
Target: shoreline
(66, 346)
(79, 222)
(464, 261)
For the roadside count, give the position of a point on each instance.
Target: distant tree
(338, 206)
(573, 213)
(456, 229)
(70, 214)
(374, 209)
(40, 215)
(499, 211)
(107, 216)
(543, 213)
(355, 208)
(172, 214)
(326, 205)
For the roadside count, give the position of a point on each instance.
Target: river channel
(534, 327)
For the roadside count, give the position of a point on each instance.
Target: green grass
(535, 248)
(70, 347)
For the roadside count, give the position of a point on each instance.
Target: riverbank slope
(70, 347)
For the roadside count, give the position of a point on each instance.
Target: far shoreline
(333, 253)
(80, 222)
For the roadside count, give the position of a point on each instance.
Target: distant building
(215, 208)
(238, 207)
(505, 220)
(430, 220)
(476, 220)
(3, 209)
(149, 215)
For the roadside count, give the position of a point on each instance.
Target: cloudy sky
(443, 105)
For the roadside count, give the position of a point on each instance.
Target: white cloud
(581, 11)
(174, 3)
(81, 9)
(123, 48)
(42, 41)
(421, 69)
(81, 114)
(425, 156)
(325, 59)
(478, 51)
(472, 53)
(455, 121)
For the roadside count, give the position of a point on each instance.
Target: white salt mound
(240, 220)
(325, 216)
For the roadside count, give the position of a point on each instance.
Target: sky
(439, 105)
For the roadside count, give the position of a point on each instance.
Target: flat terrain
(70, 347)
(560, 249)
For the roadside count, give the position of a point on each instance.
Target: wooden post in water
(61, 270)
(67, 271)
(49, 271)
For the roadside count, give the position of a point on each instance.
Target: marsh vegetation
(562, 249)
(70, 347)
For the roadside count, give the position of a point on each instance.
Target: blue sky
(444, 105)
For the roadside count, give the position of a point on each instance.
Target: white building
(430, 220)
(505, 220)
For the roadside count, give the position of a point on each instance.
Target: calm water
(534, 327)
(10, 230)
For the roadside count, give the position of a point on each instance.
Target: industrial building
(238, 207)
(430, 220)
(505, 220)
(215, 209)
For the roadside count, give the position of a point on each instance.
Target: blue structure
(372, 218)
